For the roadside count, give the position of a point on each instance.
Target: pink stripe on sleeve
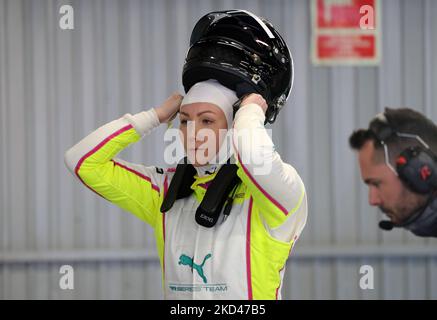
(248, 261)
(94, 150)
(268, 196)
(155, 187)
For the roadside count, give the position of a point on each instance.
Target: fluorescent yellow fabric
(142, 193)
(118, 185)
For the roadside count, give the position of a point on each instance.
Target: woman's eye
(206, 121)
(183, 121)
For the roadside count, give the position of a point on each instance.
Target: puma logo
(187, 261)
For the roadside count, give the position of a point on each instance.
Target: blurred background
(58, 85)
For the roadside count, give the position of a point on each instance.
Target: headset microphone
(386, 225)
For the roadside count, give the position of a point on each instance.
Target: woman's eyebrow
(200, 113)
(207, 111)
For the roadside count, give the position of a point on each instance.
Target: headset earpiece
(417, 167)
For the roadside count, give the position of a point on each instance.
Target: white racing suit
(241, 257)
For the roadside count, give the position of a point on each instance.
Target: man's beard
(408, 204)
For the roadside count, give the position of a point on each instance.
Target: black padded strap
(208, 212)
(180, 185)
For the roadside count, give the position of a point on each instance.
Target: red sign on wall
(346, 32)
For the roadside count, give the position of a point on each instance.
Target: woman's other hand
(256, 99)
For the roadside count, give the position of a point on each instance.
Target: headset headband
(386, 130)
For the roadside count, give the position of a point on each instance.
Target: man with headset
(397, 156)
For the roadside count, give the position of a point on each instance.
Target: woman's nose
(193, 135)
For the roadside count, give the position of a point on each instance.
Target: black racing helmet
(244, 53)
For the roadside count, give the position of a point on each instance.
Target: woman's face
(203, 127)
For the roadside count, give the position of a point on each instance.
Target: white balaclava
(211, 91)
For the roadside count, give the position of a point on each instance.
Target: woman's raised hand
(168, 110)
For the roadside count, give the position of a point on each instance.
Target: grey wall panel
(126, 56)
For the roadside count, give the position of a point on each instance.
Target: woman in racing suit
(244, 255)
